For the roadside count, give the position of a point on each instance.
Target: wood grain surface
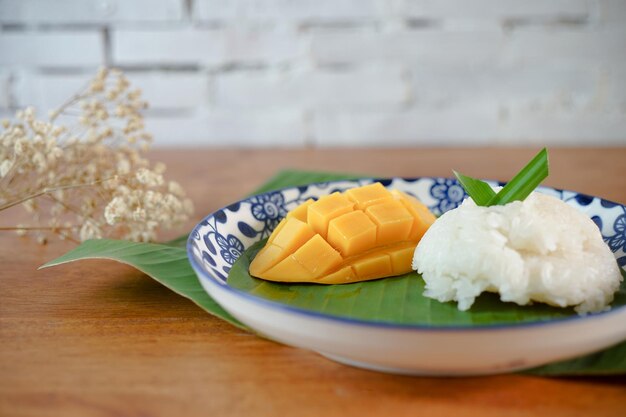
(99, 339)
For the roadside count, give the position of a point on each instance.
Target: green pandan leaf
(166, 264)
(480, 191)
(517, 189)
(525, 181)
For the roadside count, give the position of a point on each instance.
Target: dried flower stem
(63, 107)
(39, 227)
(21, 200)
(93, 172)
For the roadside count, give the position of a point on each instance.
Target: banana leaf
(394, 299)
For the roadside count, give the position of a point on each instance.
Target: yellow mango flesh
(365, 233)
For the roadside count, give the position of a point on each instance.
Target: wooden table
(99, 339)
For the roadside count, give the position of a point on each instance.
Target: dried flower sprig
(88, 178)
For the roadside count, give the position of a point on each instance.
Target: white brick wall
(225, 128)
(373, 88)
(499, 87)
(474, 125)
(334, 72)
(428, 48)
(164, 91)
(5, 89)
(563, 128)
(612, 12)
(212, 47)
(51, 49)
(567, 48)
(89, 11)
(612, 91)
(491, 9)
(291, 10)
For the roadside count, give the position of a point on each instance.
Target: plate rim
(202, 274)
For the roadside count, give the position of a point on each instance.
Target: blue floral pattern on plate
(618, 240)
(268, 208)
(231, 247)
(448, 193)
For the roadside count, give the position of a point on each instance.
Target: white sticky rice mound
(540, 249)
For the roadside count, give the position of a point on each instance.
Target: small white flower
(29, 113)
(149, 178)
(135, 94)
(89, 231)
(175, 188)
(40, 162)
(159, 168)
(112, 94)
(5, 166)
(171, 202)
(97, 86)
(139, 214)
(115, 211)
(18, 147)
(123, 166)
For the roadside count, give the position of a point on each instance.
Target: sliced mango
(320, 213)
(422, 217)
(352, 233)
(365, 233)
(301, 212)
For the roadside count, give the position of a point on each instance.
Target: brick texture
(89, 11)
(437, 48)
(5, 90)
(294, 10)
(366, 88)
(231, 128)
(334, 72)
(51, 49)
(475, 125)
(492, 9)
(168, 91)
(191, 46)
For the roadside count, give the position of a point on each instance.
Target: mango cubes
(364, 233)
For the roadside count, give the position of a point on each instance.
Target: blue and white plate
(217, 242)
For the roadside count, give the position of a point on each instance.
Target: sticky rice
(539, 249)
